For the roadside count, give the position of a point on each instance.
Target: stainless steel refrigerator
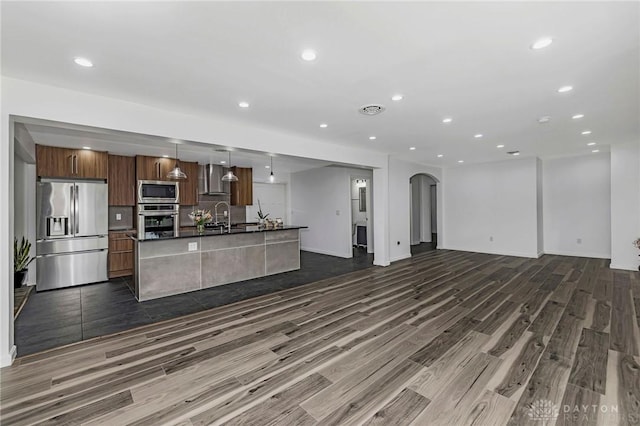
(72, 233)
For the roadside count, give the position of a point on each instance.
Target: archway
(423, 213)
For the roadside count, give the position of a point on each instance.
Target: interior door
(91, 209)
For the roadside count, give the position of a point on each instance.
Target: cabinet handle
(158, 170)
(75, 162)
(71, 163)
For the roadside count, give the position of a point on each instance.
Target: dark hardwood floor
(443, 338)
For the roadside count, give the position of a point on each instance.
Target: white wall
(540, 205)
(400, 204)
(273, 199)
(321, 200)
(25, 208)
(625, 205)
(577, 206)
(492, 200)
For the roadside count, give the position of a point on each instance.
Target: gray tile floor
(59, 317)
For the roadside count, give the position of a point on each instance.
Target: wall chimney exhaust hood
(210, 180)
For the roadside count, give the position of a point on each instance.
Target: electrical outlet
(579, 241)
(491, 238)
(193, 246)
(118, 216)
(337, 212)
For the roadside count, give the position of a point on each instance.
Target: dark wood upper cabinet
(153, 168)
(189, 186)
(92, 164)
(122, 180)
(71, 163)
(242, 190)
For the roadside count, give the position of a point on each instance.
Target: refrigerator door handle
(72, 206)
(76, 210)
(70, 253)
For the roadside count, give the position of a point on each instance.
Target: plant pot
(18, 278)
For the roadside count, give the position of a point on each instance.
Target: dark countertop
(218, 232)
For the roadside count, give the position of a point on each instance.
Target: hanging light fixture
(176, 173)
(229, 177)
(272, 178)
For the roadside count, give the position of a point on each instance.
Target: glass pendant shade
(229, 176)
(272, 178)
(176, 173)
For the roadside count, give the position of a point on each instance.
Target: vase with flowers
(199, 218)
(262, 217)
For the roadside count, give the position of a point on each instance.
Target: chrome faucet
(215, 212)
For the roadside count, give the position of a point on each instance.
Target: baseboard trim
(623, 267)
(400, 257)
(8, 358)
(500, 253)
(327, 252)
(578, 254)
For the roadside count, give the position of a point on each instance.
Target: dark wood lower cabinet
(121, 261)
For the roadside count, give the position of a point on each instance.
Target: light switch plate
(118, 216)
(193, 246)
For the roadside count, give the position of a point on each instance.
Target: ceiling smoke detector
(371, 109)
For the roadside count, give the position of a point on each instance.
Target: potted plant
(261, 216)
(21, 261)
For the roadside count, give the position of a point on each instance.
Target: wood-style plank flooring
(444, 338)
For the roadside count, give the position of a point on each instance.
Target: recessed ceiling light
(447, 120)
(596, 150)
(440, 155)
(243, 104)
(478, 136)
(308, 55)
(586, 132)
(544, 119)
(324, 125)
(460, 161)
(86, 147)
(223, 162)
(578, 116)
(372, 138)
(83, 62)
(591, 144)
(413, 148)
(165, 156)
(267, 167)
(397, 97)
(542, 43)
(565, 89)
(516, 153)
(499, 146)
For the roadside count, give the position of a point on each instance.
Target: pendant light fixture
(176, 173)
(272, 178)
(229, 177)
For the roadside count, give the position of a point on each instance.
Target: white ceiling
(467, 60)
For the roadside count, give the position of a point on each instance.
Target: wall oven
(158, 191)
(158, 221)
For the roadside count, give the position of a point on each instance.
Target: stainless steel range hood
(210, 180)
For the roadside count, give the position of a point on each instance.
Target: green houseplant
(21, 260)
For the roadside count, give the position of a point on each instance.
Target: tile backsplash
(126, 218)
(208, 202)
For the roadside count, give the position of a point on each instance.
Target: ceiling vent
(373, 109)
(513, 152)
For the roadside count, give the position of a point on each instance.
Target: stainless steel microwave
(158, 191)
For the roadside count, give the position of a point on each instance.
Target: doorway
(423, 213)
(361, 216)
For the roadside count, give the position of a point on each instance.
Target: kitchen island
(194, 261)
